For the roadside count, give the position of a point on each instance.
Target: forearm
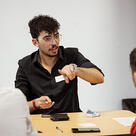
(31, 108)
(91, 75)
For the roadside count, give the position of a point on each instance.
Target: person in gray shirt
(14, 114)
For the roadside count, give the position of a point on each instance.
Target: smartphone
(59, 117)
(85, 130)
(45, 115)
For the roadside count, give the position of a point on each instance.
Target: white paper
(126, 121)
(59, 78)
(87, 124)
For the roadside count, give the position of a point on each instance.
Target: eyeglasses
(49, 38)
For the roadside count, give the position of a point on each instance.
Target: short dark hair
(42, 23)
(132, 57)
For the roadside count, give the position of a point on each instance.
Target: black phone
(45, 115)
(85, 130)
(59, 117)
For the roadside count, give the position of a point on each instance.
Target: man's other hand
(44, 102)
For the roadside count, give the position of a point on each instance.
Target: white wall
(103, 30)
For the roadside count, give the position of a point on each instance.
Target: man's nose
(53, 41)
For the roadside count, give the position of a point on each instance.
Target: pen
(59, 129)
(39, 131)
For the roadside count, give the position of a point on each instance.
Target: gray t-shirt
(14, 114)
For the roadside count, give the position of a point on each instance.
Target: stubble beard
(49, 55)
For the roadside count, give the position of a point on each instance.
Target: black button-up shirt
(35, 81)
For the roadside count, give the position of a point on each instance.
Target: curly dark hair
(132, 57)
(42, 23)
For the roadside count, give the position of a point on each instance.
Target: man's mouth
(53, 48)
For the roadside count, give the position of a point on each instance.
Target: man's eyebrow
(56, 33)
(50, 35)
(46, 36)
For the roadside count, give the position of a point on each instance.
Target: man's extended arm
(91, 75)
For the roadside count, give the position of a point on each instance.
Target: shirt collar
(35, 57)
(60, 53)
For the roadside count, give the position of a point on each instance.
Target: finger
(46, 106)
(69, 74)
(53, 103)
(72, 72)
(61, 72)
(65, 71)
(66, 79)
(64, 75)
(47, 99)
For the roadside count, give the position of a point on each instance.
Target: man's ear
(35, 42)
(134, 78)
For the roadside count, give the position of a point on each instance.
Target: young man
(133, 72)
(48, 77)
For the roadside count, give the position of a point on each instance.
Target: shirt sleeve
(81, 61)
(22, 83)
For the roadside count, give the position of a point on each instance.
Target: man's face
(48, 43)
(133, 76)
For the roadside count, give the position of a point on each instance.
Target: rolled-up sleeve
(81, 61)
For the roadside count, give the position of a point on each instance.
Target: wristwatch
(74, 66)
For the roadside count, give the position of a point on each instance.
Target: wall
(103, 30)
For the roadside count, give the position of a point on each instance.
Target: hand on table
(44, 102)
